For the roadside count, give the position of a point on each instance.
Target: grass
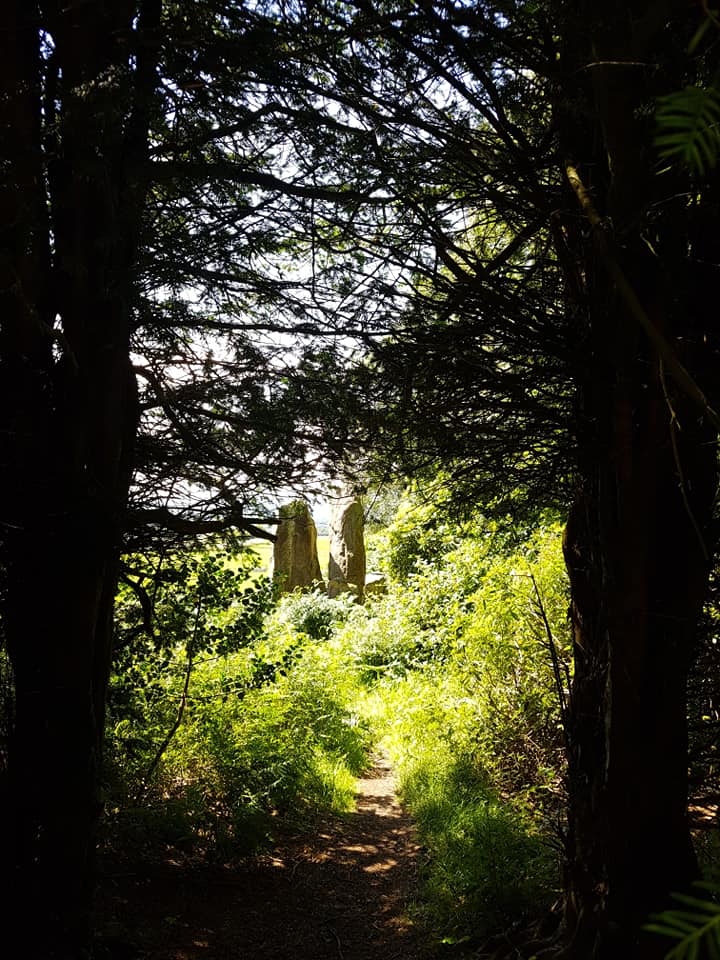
(488, 866)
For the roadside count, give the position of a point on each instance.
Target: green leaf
(664, 931)
(697, 931)
(711, 18)
(706, 906)
(688, 128)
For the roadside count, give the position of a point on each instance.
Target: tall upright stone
(347, 546)
(295, 556)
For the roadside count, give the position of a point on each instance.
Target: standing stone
(295, 556)
(347, 547)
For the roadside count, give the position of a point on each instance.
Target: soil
(340, 894)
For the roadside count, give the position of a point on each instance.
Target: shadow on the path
(340, 894)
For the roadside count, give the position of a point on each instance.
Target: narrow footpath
(341, 893)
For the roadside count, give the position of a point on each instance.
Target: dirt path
(340, 894)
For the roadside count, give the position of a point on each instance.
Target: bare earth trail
(338, 894)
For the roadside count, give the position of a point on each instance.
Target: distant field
(263, 548)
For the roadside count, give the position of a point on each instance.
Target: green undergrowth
(242, 767)
(488, 862)
(224, 730)
(244, 714)
(464, 666)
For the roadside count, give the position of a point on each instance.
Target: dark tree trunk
(60, 580)
(71, 204)
(638, 540)
(638, 571)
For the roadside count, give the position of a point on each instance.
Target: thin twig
(554, 656)
(674, 429)
(180, 711)
(341, 955)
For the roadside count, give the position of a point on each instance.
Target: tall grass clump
(488, 862)
(465, 666)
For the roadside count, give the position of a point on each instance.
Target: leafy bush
(228, 716)
(314, 614)
(415, 536)
(172, 613)
(418, 621)
(496, 622)
(273, 753)
(512, 657)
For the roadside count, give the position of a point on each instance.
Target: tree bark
(74, 118)
(638, 540)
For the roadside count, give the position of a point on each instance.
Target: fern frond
(696, 930)
(688, 127)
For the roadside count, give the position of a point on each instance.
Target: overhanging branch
(670, 359)
(187, 526)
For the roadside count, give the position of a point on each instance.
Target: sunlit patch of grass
(487, 867)
(487, 864)
(336, 782)
(264, 551)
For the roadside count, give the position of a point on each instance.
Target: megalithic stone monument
(346, 570)
(295, 556)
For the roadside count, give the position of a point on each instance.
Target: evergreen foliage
(459, 204)
(689, 128)
(694, 926)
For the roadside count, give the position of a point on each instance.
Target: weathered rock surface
(375, 583)
(295, 556)
(336, 587)
(347, 543)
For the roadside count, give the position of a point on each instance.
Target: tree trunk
(638, 541)
(638, 572)
(61, 573)
(71, 203)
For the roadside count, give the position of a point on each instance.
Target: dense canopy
(244, 246)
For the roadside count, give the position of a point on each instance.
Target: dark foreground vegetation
(248, 246)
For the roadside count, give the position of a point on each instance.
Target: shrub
(462, 675)
(417, 535)
(274, 753)
(231, 731)
(482, 616)
(514, 669)
(314, 614)
(418, 621)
